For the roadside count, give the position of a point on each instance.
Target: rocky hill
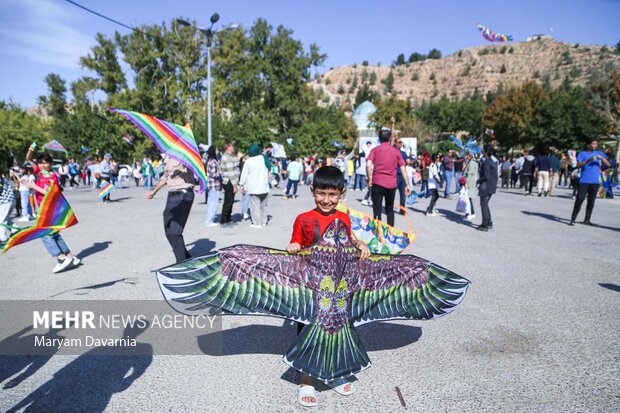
(459, 75)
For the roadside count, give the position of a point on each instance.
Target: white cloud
(43, 31)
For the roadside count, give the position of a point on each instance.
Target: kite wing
(404, 287)
(174, 140)
(54, 215)
(242, 279)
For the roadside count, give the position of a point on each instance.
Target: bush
(365, 63)
(511, 50)
(432, 76)
(483, 52)
(373, 78)
(502, 69)
(466, 71)
(328, 81)
(460, 53)
(503, 50)
(340, 90)
(415, 76)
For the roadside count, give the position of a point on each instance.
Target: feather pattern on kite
(491, 36)
(324, 286)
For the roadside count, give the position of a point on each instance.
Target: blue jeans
(424, 191)
(400, 184)
(360, 182)
(212, 201)
(292, 183)
(148, 182)
(245, 203)
(457, 176)
(55, 245)
(24, 197)
(448, 176)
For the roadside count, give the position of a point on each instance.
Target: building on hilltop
(535, 37)
(361, 117)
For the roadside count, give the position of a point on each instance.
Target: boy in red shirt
(44, 177)
(327, 188)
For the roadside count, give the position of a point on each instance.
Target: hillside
(460, 74)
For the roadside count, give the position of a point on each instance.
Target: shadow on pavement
(201, 247)
(88, 383)
(120, 199)
(265, 339)
(565, 220)
(455, 217)
(88, 288)
(612, 287)
(95, 248)
(25, 365)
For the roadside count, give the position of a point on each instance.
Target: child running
(328, 187)
(44, 178)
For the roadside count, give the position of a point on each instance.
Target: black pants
(584, 190)
(400, 185)
(176, 213)
(484, 208)
(563, 173)
(528, 183)
(434, 198)
(229, 200)
(471, 204)
(378, 193)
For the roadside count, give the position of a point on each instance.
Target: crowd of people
(381, 170)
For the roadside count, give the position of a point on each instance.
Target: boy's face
(326, 199)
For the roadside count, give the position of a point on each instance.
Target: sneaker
(76, 261)
(255, 226)
(482, 228)
(572, 223)
(62, 264)
(22, 219)
(472, 216)
(264, 225)
(246, 216)
(212, 224)
(365, 202)
(468, 217)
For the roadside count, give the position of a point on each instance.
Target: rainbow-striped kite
(105, 189)
(492, 36)
(54, 215)
(174, 140)
(379, 236)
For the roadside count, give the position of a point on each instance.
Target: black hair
(384, 135)
(434, 157)
(362, 155)
(211, 152)
(590, 140)
(45, 157)
(490, 149)
(328, 177)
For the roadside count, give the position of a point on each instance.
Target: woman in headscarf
(471, 181)
(255, 180)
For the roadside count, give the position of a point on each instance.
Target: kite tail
(327, 356)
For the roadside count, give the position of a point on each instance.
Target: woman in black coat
(487, 185)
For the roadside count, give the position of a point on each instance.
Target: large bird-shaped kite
(324, 286)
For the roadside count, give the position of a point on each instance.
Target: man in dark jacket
(487, 185)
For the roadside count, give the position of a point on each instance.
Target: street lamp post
(209, 34)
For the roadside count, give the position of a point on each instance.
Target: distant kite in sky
(491, 36)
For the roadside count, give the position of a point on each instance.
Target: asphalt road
(538, 330)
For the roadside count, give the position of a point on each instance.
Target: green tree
(434, 54)
(510, 114)
(366, 93)
(56, 101)
(400, 60)
(416, 57)
(389, 82)
(103, 60)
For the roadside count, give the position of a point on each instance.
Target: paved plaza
(537, 332)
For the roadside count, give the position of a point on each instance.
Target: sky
(42, 36)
